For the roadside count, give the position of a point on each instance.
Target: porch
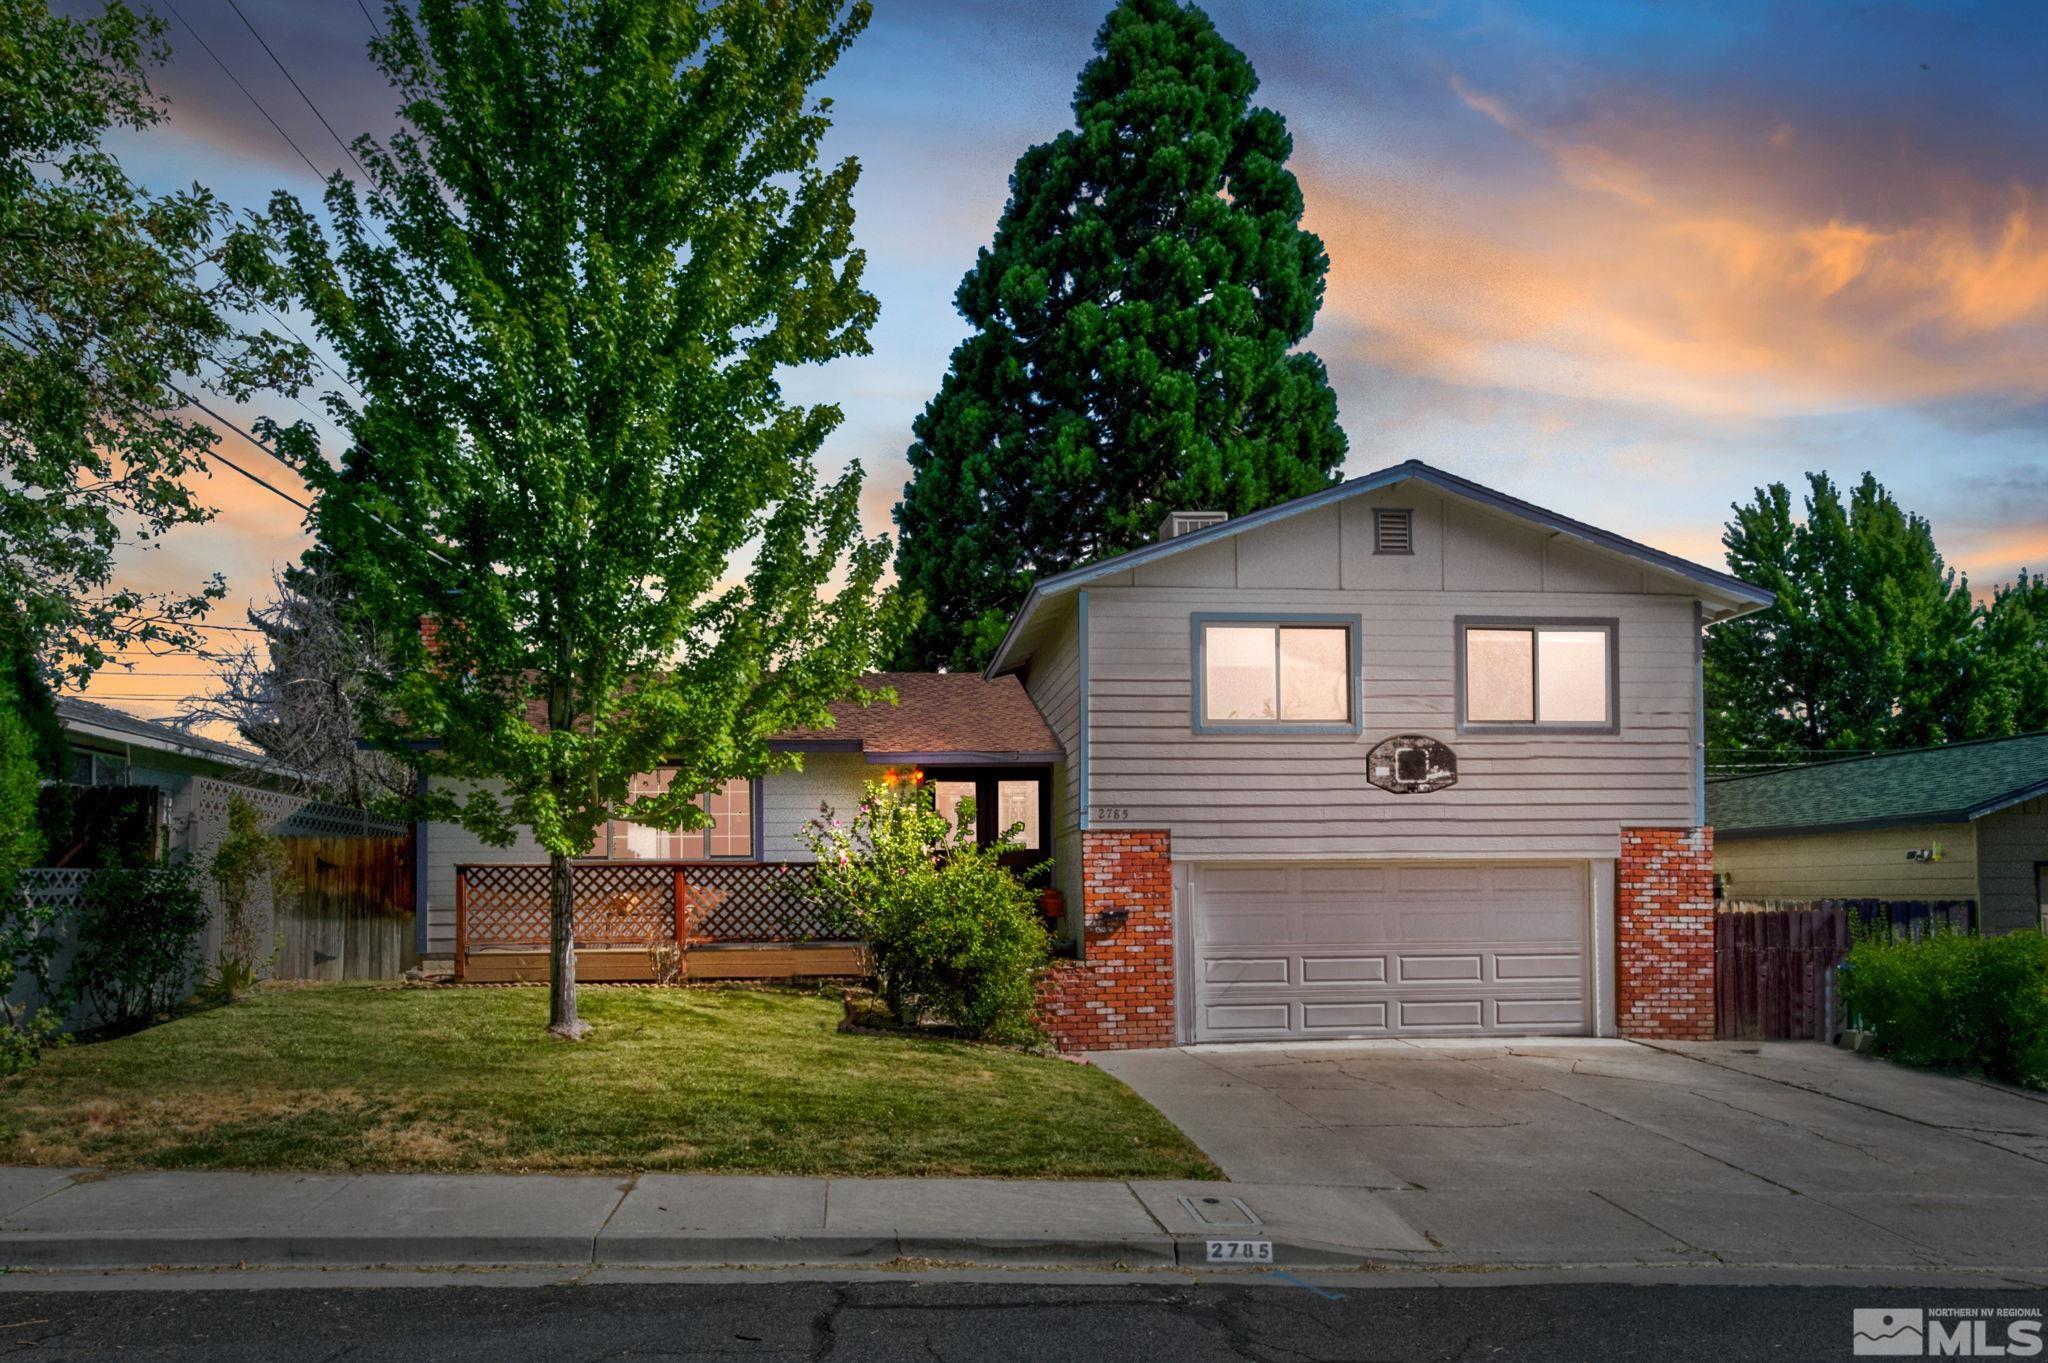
(643, 921)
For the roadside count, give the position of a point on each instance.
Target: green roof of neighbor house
(1950, 784)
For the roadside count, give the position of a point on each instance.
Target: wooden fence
(1775, 960)
(353, 915)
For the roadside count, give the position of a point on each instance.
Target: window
(1017, 803)
(730, 837)
(97, 769)
(1537, 674)
(1277, 674)
(1393, 530)
(949, 795)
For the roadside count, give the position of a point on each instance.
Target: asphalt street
(852, 1322)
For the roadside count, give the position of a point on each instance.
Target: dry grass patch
(760, 1081)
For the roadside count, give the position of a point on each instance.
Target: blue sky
(1625, 260)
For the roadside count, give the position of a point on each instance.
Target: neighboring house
(111, 747)
(1963, 821)
(1402, 757)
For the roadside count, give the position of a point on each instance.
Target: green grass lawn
(743, 1080)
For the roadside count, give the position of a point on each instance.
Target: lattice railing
(633, 903)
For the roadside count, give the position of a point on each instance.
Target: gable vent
(1393, 530)
(1178, 523)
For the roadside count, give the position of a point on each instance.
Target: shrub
(1954, 1001)
(247, 858)
(27, 928)
(138, 942)
(952, 932)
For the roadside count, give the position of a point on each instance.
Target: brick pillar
(1120, 996)
(1664, 934)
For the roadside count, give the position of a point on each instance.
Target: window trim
(1536, 624)
(1355, 664)
(753, 854)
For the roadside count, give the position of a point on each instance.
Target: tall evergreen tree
(1874, 641)
(1134, 324)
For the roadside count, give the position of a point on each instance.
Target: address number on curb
(1240, 1251)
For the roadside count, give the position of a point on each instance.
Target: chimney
(1178, 523)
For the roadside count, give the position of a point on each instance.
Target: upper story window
(1537, 675)
(730, 837)
(1297, 673)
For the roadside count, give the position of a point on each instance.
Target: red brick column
(1120, 996)
(1664, 934)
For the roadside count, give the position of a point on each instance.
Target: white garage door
(1409, 949)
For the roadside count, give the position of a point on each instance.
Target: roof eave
(1722, 834)
(2006, 801)
(1731, 594)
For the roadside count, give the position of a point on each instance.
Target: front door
(1004, 798)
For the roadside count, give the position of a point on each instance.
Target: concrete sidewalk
(57, 1219)
(71, 1219)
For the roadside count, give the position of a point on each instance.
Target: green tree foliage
(951, 932)
(1874, 642)
(114, 304)
(604, 234)
(1134, 331)
(27, 941)
(2016, 643)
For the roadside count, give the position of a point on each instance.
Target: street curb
(708, 1249)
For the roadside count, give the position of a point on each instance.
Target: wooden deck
(630, 965)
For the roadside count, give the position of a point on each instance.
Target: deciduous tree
(115, 307)
(568, 296)
(1875, 642)
(1135, 324)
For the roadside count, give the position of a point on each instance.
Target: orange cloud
(1648, 277)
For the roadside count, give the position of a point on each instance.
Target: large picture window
(730, 837)
(1284, 674)
(1537, 675)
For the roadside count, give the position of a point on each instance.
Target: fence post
(682, 899)
(461, 922)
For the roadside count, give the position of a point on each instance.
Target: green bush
(952, 932)
(1954, 1001)
(27, 928)
(138, 942)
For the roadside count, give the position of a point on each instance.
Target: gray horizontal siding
(2009, 843)
(1280, 796)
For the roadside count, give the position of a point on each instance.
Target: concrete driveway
(1605, 1151)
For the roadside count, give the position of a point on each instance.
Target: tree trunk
(562, 1019)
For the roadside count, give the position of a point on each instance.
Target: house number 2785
(1112, 813)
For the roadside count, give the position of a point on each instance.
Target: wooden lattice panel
(631, 903)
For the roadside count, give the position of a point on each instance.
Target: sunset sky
(1628, 261)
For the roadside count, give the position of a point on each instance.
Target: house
(971, 737)
(128, 775)
(1961, 821)
(110, 747)
(1402, 757)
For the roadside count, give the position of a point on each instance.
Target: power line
(346, 149)
(375, 27)
(228, 71)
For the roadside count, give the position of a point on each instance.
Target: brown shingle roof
(937, 712)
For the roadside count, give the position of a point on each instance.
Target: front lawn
(742, 1080)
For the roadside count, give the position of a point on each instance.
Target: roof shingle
(1949, 784)
(938, 713)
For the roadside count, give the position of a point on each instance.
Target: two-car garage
(1287, 951)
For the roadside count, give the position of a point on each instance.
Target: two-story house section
(1418, 758)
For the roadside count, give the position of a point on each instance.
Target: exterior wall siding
(1053, 681)
(2010, 844)
(1867, 863)
(1283, 796)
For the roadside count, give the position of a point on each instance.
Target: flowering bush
(952, 932)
